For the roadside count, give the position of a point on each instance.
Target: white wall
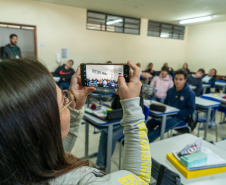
(206, 47)
(65, 27)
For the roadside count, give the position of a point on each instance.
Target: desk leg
(87, 140)
(224, 89)
(109, 148)
(163, 127)
(207, 121)
(204, 90)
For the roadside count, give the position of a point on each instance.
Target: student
(196, 80)
(34, 119)
(65, 72)
(210, 79)
(180, 96)
(185, 68)
(149, 73)
(162, 83)
(150, 70)
(11, 50)
(171, 71)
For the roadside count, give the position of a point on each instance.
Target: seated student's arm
(198, 89)
(212, 82)
(153, 82)
(190, 106)
(56, 72)
(170, 84)
(68, 77)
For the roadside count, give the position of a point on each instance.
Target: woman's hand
(80, 92)
(131, 89)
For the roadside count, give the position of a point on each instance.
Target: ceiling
(168, 11)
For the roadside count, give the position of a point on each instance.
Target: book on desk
(200, 163)
(100, 113)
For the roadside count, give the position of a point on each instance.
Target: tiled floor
(79, 147)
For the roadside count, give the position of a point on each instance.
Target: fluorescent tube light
(113, 22)
(199, 19)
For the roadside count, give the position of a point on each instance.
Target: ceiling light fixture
(199, 19)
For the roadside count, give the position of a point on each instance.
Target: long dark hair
(31, 150)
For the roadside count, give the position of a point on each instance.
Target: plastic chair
(163, 175)
(146, 112)
(185, 125)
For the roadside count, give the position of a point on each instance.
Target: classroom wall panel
(206, 46)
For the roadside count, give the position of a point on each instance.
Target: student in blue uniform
(180, 96)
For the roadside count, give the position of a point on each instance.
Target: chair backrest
(146, 112)
(163, 175)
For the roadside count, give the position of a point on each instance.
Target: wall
(206, 46)
(65, 27)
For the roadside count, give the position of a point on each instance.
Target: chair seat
(202, 119)
(181, 126)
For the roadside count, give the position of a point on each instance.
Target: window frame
(123, 27)
(162, 28)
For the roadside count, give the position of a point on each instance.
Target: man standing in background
(11, 50)
(65, 72)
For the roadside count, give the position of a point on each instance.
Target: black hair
(13, 35)
(164, 68)
(31, 149)
(201, 70)
(181, 72)
(71, 61)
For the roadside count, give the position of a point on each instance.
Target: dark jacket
(8, 52)
(197, 82)
(183, 100)
(153, 73)
(64, 73)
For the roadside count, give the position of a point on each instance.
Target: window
(96, 71)
(112, 23)
(164, 30)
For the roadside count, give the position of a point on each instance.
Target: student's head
(180, 78)
(109, 62)
(166, 65)
(138, 64)
(200, 73)
(212, 72)
(31, 124)
(150, 66)
(13, 39)
(164, 72)
(185, 66)
(69, 64)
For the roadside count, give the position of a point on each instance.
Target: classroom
(112, 126)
